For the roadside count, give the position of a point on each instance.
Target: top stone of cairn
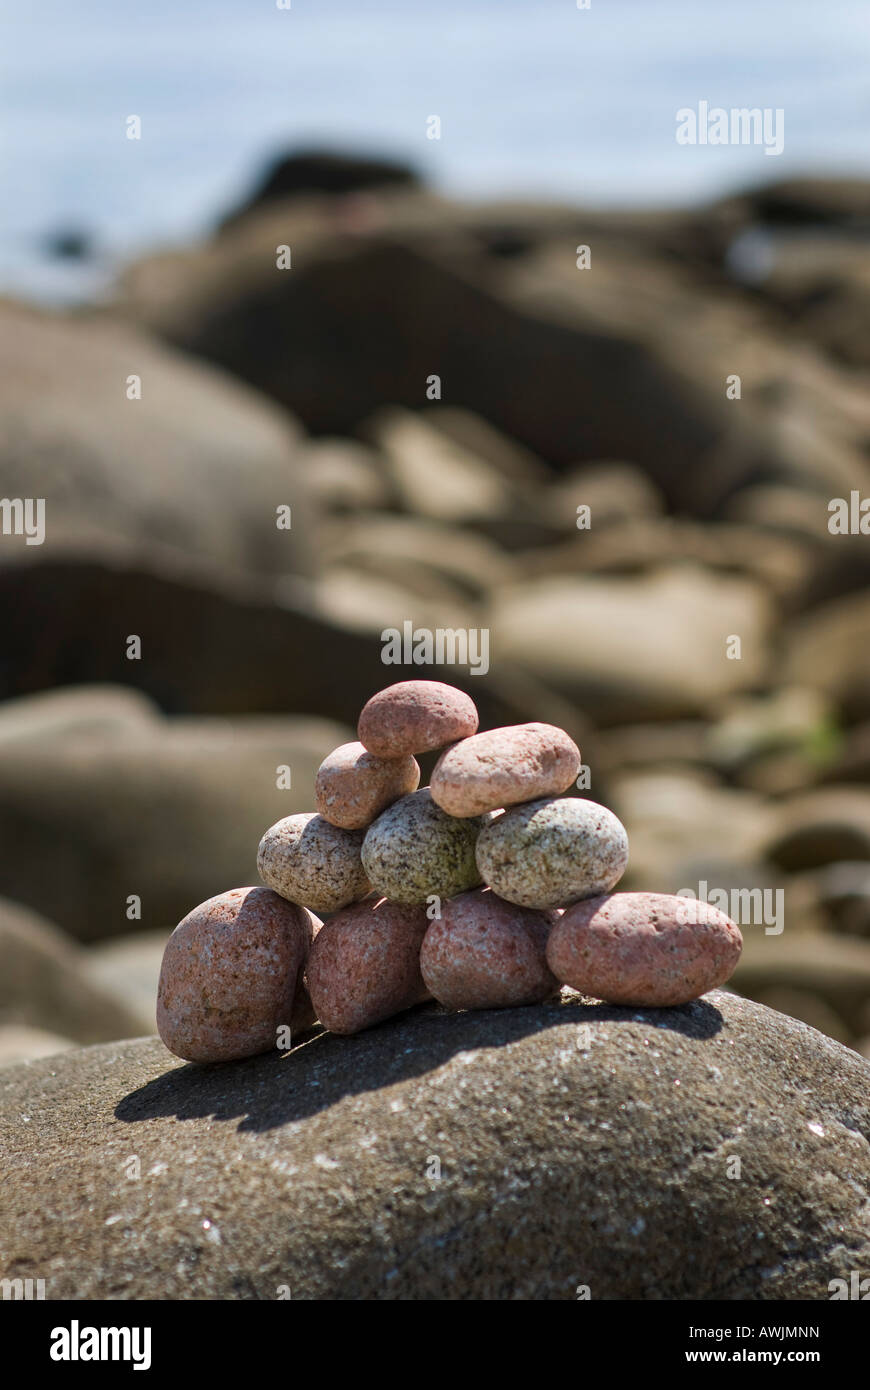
(415, 717)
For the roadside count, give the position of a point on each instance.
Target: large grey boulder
(196, 467)
(715, 1151)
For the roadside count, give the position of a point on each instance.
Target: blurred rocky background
(133, 786)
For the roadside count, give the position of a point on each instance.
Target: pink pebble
(364, 964)
(353, 786)
(230, 975)
(502, 767)
(485, 953)
(414, 717)
(644, 949)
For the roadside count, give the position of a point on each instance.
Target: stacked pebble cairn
(488, 889)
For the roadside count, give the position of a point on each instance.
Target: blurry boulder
(820, 827)
(675, 815)
(630, 649)
(45, 982)
(613, 492)
(474, 435)
(376, 309)
(129, 968)
(74, 710)
(851, 758)
(834, 969)
(196, 467)
(436, 478)
(827, 649)
(638, 544)
(816, 201)
(326, 172)
(19, 1043)
(213, 645)
(792, 719)
(435, 561)
(844, 893)
(345, 476)
(118, 831)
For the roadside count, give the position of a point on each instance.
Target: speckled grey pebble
(310, 862)
(414, 851)
(553, 851)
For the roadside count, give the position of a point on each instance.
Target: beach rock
(191, 620)
(826, 649)
(170, 805)
(835, 969)
(612, 491)
(352, 786)
(415, 851)
(74, 711)
(229, 976)
(438, 562)
(435, 477)
(346, 477)
(46, 984)
(414, 717)
(485, 953)
(630, 649)
(569, 1164)
(129, 968)
(364, 965)
(310, 862)
(820, 827)
(420, 269)
(205, 463)
(323, 172)
(19, 1043)
(683, 814)
(549, 853)
(503, 766)
(650, 950)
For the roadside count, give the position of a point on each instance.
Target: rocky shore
(619, 462)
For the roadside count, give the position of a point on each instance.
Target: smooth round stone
(311, 862)
(415, 717)
(503, 767)
(364, 965)
(230, 975)
(640, 949)
(353, 786)
(414, 851)
(549, 853)
(485, 953)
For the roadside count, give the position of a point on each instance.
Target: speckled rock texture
(639, 948)
(352, 786)
(311, 862)
(577, 1146)
(414, 851)
(415, 717)
(484, 953)
(230, 975)
(502, 767)
(553, 852)
(365, 965)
